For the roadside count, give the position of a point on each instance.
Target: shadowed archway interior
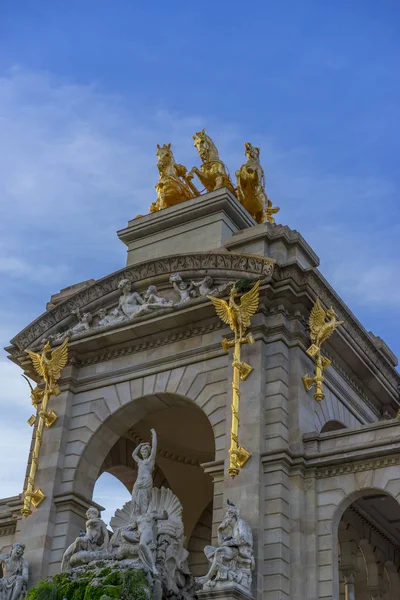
(369, 548)
(185, 440)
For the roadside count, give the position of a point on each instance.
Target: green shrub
(126, 584)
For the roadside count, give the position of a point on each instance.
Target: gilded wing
(59, 358)
(330, 328)
(222, 309)
(317, 319)
(248, 306)
(37, 362)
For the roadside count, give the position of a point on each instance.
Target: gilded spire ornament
(322, 324)
(238, 317)
(48, 365)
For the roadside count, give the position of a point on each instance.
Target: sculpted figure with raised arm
(145, 457)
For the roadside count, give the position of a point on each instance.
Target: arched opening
(110, 493)
(185, 441)
(332, 426)
(369, 547)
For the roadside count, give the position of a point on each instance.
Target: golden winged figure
(320, 327)
(49, 363)
(237, 316)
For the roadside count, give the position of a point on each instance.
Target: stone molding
(333, 464)
(231, 591)
(75, 503)
(357, 467)
(154, 343)
(8, 527)
(218, 201)
(210, 261)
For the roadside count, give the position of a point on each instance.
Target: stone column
(349, 587)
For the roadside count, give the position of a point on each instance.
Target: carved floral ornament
(119, 298)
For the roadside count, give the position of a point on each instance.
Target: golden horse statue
(251, 187)
(173, 186)
(213, 173)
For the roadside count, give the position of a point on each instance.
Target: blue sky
(87, 90)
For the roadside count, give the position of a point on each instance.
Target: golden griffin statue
(213, 173)
(48, 365)
(173, 186)
(322, 324)
(238, 317)
(251, 187)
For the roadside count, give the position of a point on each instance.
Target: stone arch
(393, 578)
(332, 409)
(371, 565)
(100, 417)
(332, 425)
(336, 495)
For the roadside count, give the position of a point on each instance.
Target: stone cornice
(211, 262)
(339, 460)
(8, 527)
(357, 467)
(146, 344)
(74, 502)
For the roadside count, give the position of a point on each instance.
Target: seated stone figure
(233, 559)
(153, 300)
(95, 539)
(14, 574)
(154, 540)
(144, 532)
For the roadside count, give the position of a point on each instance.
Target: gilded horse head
(251, 152)
(172, 186)
(205, 146)
(212, 173)
(166, 159)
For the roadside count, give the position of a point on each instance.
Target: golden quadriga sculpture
(251, 187)
(175, 184)
(237, 316)
(322, 324)
(48, 365)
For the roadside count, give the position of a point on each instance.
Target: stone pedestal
(228, 591)
(197, 225)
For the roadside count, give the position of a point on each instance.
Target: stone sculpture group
(148, 534)
(15, 573)
(132, 304)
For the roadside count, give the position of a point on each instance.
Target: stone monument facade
(315, 506)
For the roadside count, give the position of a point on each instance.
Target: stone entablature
(222, 264)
